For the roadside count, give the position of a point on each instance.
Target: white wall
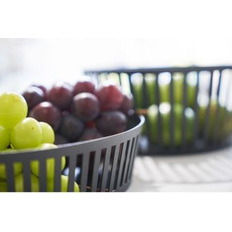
(23, 61)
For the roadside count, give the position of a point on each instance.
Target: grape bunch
(18, 132)
(80, 112)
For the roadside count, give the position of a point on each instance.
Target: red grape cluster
(80, 112)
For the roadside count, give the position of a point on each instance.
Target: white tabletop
(196, 172)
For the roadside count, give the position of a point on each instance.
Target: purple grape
(33, 96)
(83, 87)
(85, 106)
(47, 112)
(59, 139)
(110, 97)
(127, 104)
(111, 122)
(89, 134)
(71, 127)
(61, 95)
(43, 88)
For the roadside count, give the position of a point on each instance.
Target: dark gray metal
(144, 89)
(160, 69)
(159, 128)
(26, 177)
(196, 107)
(72, 166)
(89, 168)
(97, 160)
(202, 140)
(106, 169)
(84, 171)
(125, 178)
(216, 125)
(42, 174)
(227, 116)
(132, 90)
(126, 164)
(10, 176)
(172, 120)
(133, 158)
(207, 121)
(184, 102)
(114, 168)
(122, 159)
(57, 185)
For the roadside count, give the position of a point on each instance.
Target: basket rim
(76, 144)
(140, 117)
(159, 69)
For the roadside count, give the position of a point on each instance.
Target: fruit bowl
(103, 164)
(187, 109)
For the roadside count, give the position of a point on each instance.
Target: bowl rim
(159, 69)
(93, 142)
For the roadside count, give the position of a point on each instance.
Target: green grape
(64, 185)
(13, 109)
(48, 135)
(137, 83)
(18, 167)
(50, 163)
(190, 88)
(3, 187)
(150, 79)
(4, 138)
(165, 113)
(19, 184)
(152, 116)
(26, 134)
(215, 108)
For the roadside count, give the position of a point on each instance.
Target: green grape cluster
(18, 132)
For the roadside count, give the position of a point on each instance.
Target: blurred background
(23, 61)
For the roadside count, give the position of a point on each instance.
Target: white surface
(197, 172)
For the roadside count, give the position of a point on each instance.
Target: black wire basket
(187, 109)
(100, 165)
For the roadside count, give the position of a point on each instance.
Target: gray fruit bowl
(100, 165)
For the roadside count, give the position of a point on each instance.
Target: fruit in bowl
(33, 95)
(165, 112)
(103, 108)
(63, 183)
(178, 79)
(111, 122)
(21, 133)
(26, 134)
(164, 84)
(216, 115)
(19, 184)
(50, 163)
(86, 106)
(62, 114)
(60, 95)
(47, 112)
(4, 138)
(13, 109)
(17, 167)
(110, 97)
